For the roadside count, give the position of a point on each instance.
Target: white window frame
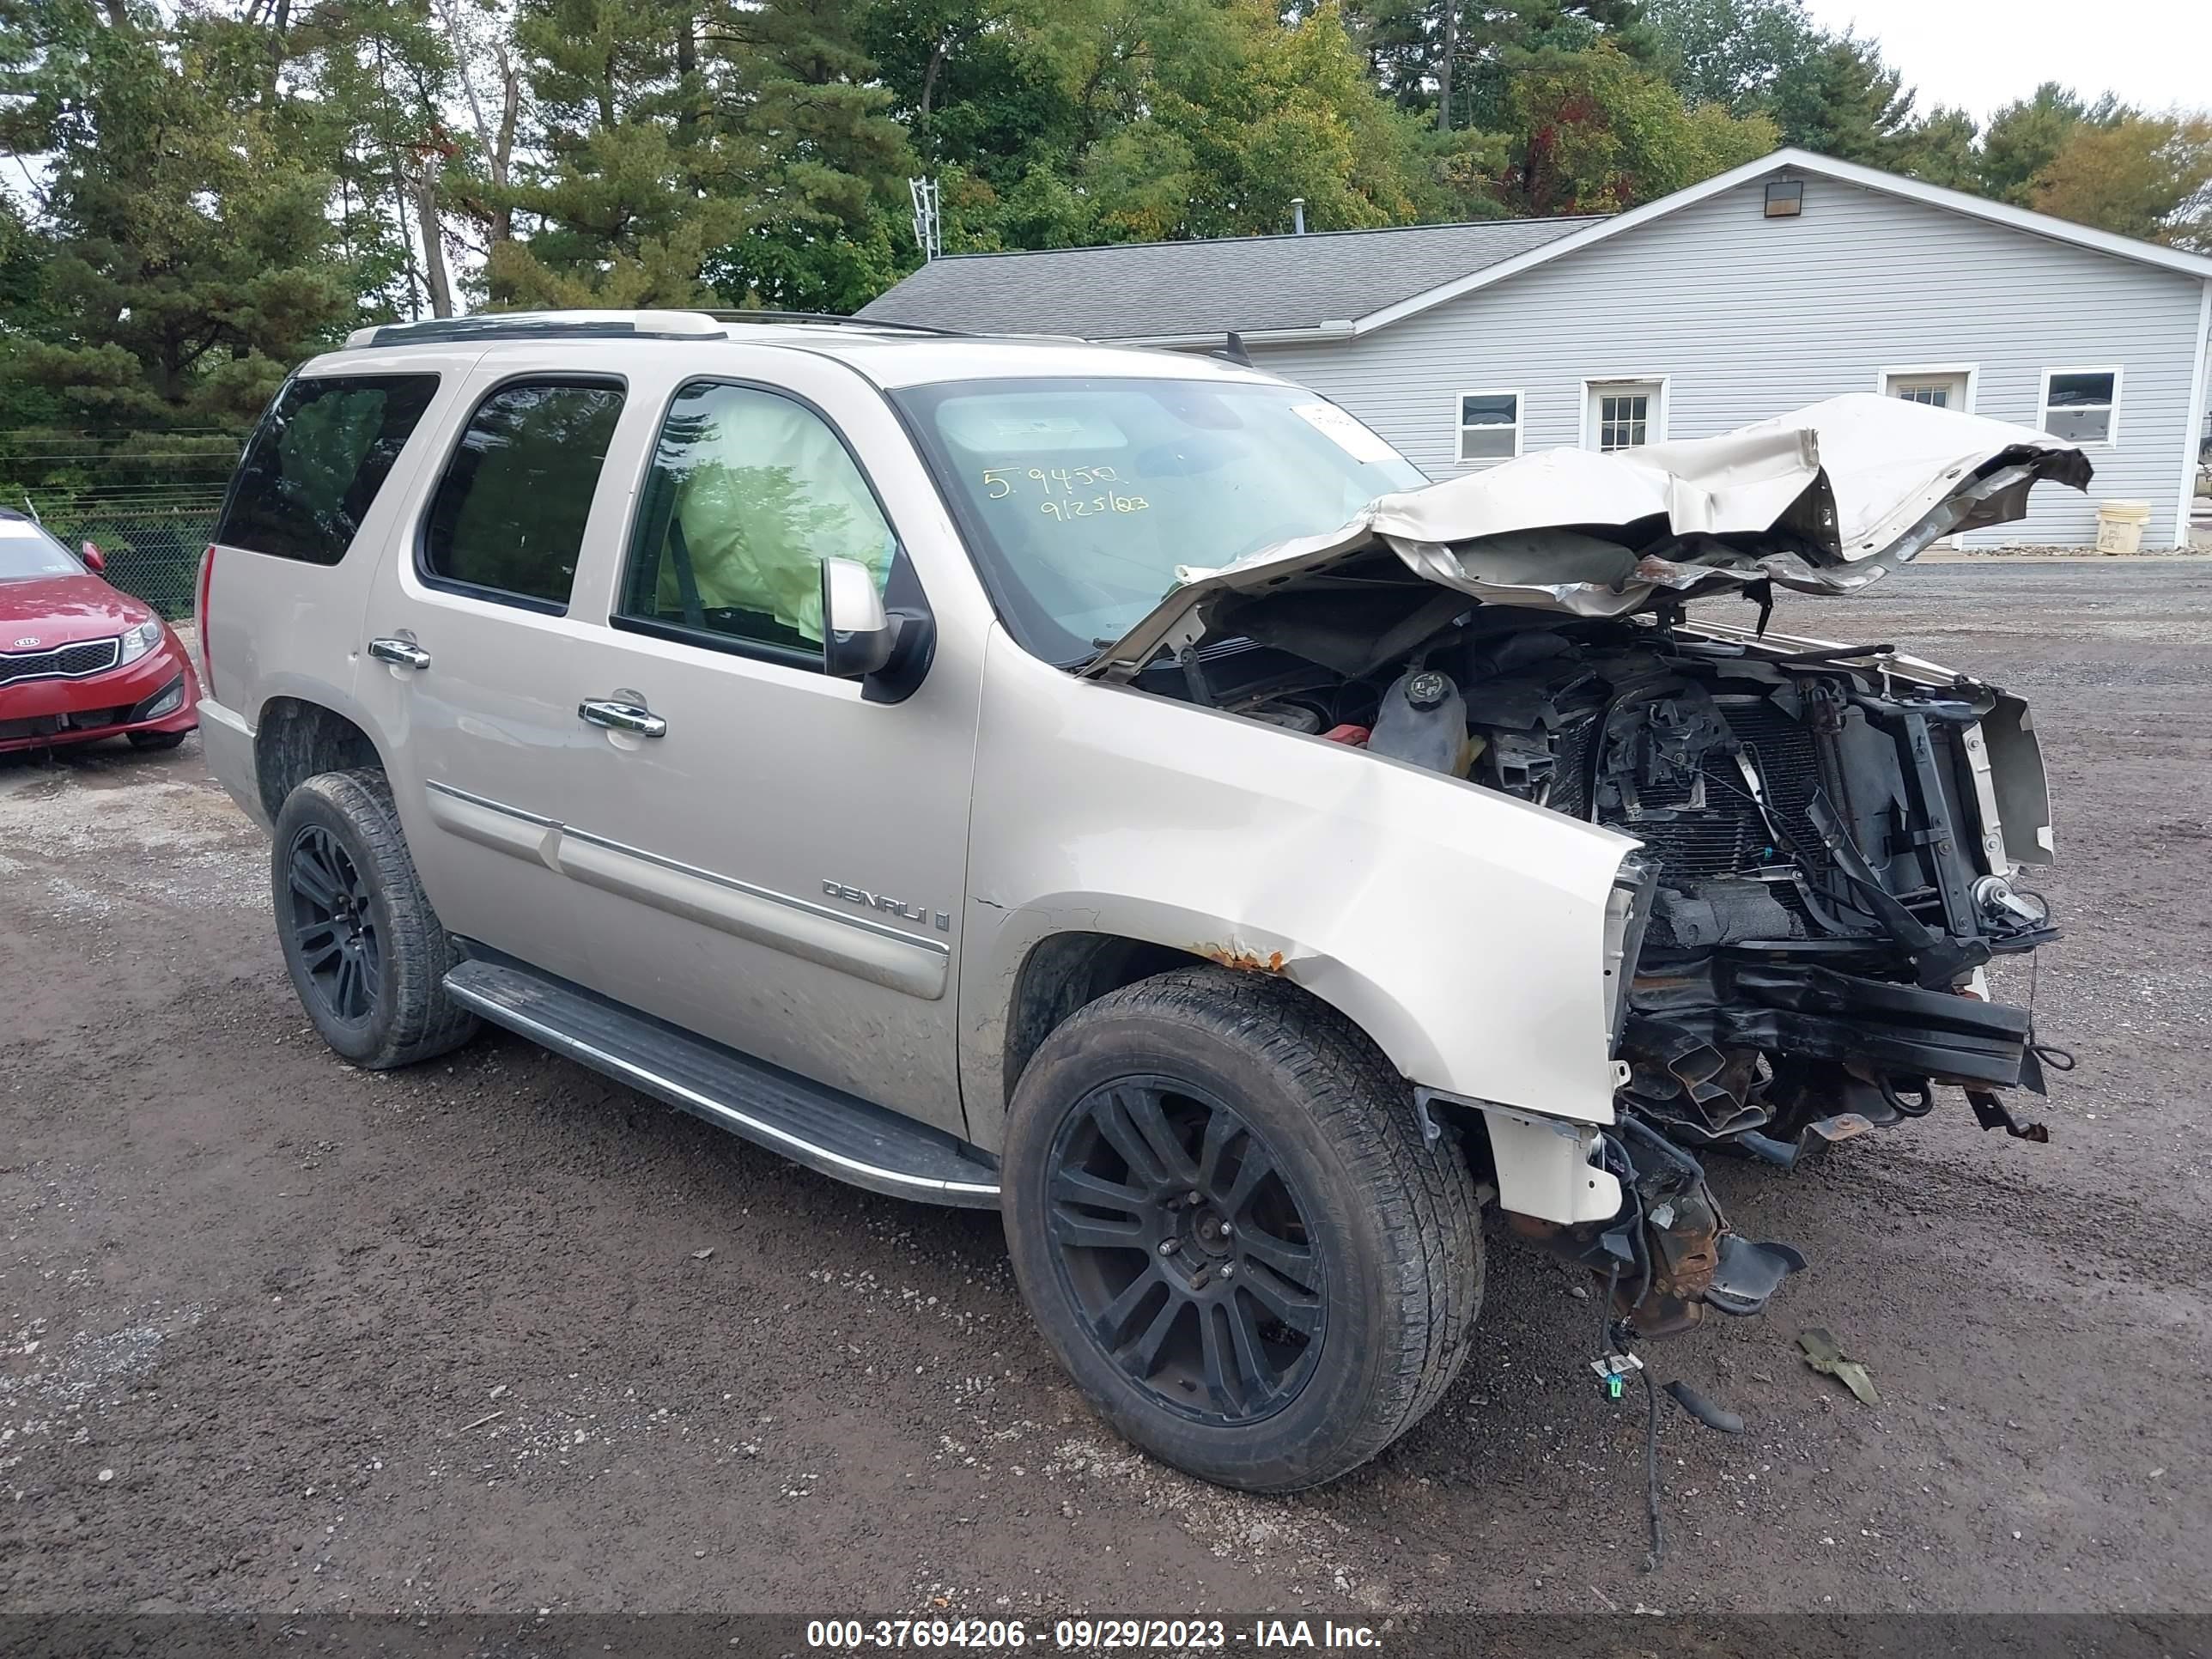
(1884, 375)
(1460, 428)
(1655, 427)
(2112, 438)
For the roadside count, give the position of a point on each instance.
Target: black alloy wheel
(363, 945)
(333, 922)
(1186, 1248)
(1233, 1229)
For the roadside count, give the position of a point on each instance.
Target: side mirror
(94, 560)
(858, 638)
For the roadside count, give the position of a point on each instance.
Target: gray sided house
(1788, 280)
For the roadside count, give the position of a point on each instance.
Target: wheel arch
(296, 737)
(1056, 967)
(1064, 972)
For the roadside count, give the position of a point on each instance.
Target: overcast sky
(1982, 53)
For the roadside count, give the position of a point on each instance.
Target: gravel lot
(276, 1334)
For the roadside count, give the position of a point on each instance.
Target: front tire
(144, 741)
(366, 953)
(1224, 1214)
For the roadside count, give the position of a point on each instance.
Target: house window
(2081, 405)
(1947, 386)
(1489, 426)
(1624, 414)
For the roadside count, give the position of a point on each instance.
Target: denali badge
(837, 889)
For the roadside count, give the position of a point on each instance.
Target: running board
(824, 1128)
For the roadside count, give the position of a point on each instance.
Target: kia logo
(29, 639)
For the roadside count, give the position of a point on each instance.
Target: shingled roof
(1341, 284)
(1151, 290)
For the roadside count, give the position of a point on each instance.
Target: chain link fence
(152, 552)
(148, 503)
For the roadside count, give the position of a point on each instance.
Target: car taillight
(207, 655)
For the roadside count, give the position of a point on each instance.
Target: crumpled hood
(1822, 500)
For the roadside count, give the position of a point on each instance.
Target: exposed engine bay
(1833, 837)
(1801, 930)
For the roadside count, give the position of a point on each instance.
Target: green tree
(1138, 119)
(622, 200)
(1241, 115)
(1942, 149)
(1825, 92)
(1841, 100)
(737, 152)
(819, 160)
(2146, 176)
(1731, 52)
(1598, 132)
(188, 260)
(1453, 60)
(373, 86)
(24, 403)
(2025, 137)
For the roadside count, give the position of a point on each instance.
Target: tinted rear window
(509, 519)
(314, 464)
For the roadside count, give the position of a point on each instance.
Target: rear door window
(313, 466)
(508, 521)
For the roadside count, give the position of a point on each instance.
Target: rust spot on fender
(1244, 961)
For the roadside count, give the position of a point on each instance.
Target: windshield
(27, 551)
(1081, 496)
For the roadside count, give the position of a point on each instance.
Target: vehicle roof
(889, 355)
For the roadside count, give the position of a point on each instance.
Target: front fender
(1462, 930)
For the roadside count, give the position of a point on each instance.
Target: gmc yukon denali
(1113, 787)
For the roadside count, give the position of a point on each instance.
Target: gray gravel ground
(275, 1334)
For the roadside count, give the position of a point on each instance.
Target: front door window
(749, 491)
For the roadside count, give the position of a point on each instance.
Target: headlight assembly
(141, 640)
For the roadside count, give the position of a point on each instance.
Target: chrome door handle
(622, 717)
(400, 653)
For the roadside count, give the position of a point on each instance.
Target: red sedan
(78, 660)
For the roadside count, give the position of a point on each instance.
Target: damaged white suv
(786, 719)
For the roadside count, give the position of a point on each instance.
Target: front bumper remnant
(1668, 1254)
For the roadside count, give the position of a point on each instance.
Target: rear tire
(366, 953)
(1301, 1318)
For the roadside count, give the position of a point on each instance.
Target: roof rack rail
(830, 317)
(668, 325)
(539, 325)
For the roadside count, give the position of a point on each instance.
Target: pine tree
(735, 152)
(188, 260)
(623, 205)
(823, 165)
(1841, 100)
(2025, 135)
